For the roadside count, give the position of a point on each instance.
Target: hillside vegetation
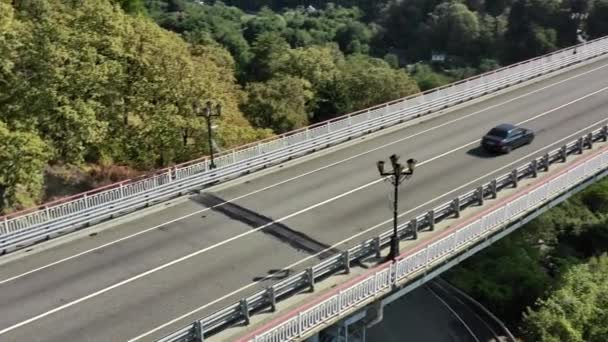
(94, 91)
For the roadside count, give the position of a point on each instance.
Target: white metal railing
(419, 259)
(301, 321)
(26, 227)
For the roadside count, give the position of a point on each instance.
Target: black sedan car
(506, 137)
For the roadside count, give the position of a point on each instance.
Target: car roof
(505, 127)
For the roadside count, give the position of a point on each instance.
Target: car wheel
(508, 149)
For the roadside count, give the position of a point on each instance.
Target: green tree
(577, 311)
(366, 82)
(132, 6)
(453, 28)
(23, 157)
(597, 25)
(532, 31)
(280, 103)
(266, 21)
(354, 37)
(266, 50)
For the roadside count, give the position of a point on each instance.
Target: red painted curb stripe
(407, 253)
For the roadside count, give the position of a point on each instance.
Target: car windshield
(496, 132)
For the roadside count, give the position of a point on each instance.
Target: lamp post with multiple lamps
(208, 113)
(396, 177)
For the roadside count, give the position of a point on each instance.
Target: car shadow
(480, 152)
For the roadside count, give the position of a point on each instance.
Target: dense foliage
(84, 82)
(98, 85)
(549, 278)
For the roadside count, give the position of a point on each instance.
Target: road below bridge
(163, 268)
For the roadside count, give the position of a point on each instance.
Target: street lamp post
(208, 113)
(396, 177)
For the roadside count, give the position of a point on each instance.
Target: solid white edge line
(291, 179)
(191, 255)
(192, 312)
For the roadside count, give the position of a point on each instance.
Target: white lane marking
(374, 227)
(454, 313)
(291, 179)
(249, 232)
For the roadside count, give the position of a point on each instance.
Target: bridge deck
(181, 261)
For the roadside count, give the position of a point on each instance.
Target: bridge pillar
(431, 218)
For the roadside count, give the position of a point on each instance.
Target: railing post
(86, 201)
(545, 162)
(199, 334)
(431, 218)
(456, 207)
(414, 228)
(310, 274)
(480, 195)
(346, 260)
(377, 246)
(605, 133)
(563, 152)
(590, 140)
(272, 298)
(580, 145)
(5, 223)
(307, 133)
(245, 310)
(514, 178)
(534, 168)
(493, 188)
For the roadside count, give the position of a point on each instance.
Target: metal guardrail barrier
(52, 219)
(172, 182)
(383, 278)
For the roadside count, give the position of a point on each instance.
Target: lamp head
(380, 166)
(394, 160)
(411, 164)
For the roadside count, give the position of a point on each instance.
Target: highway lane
(156, 297)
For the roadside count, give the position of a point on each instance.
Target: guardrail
(387, 275)
(41, 223)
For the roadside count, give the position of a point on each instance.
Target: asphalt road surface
(153, 274)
